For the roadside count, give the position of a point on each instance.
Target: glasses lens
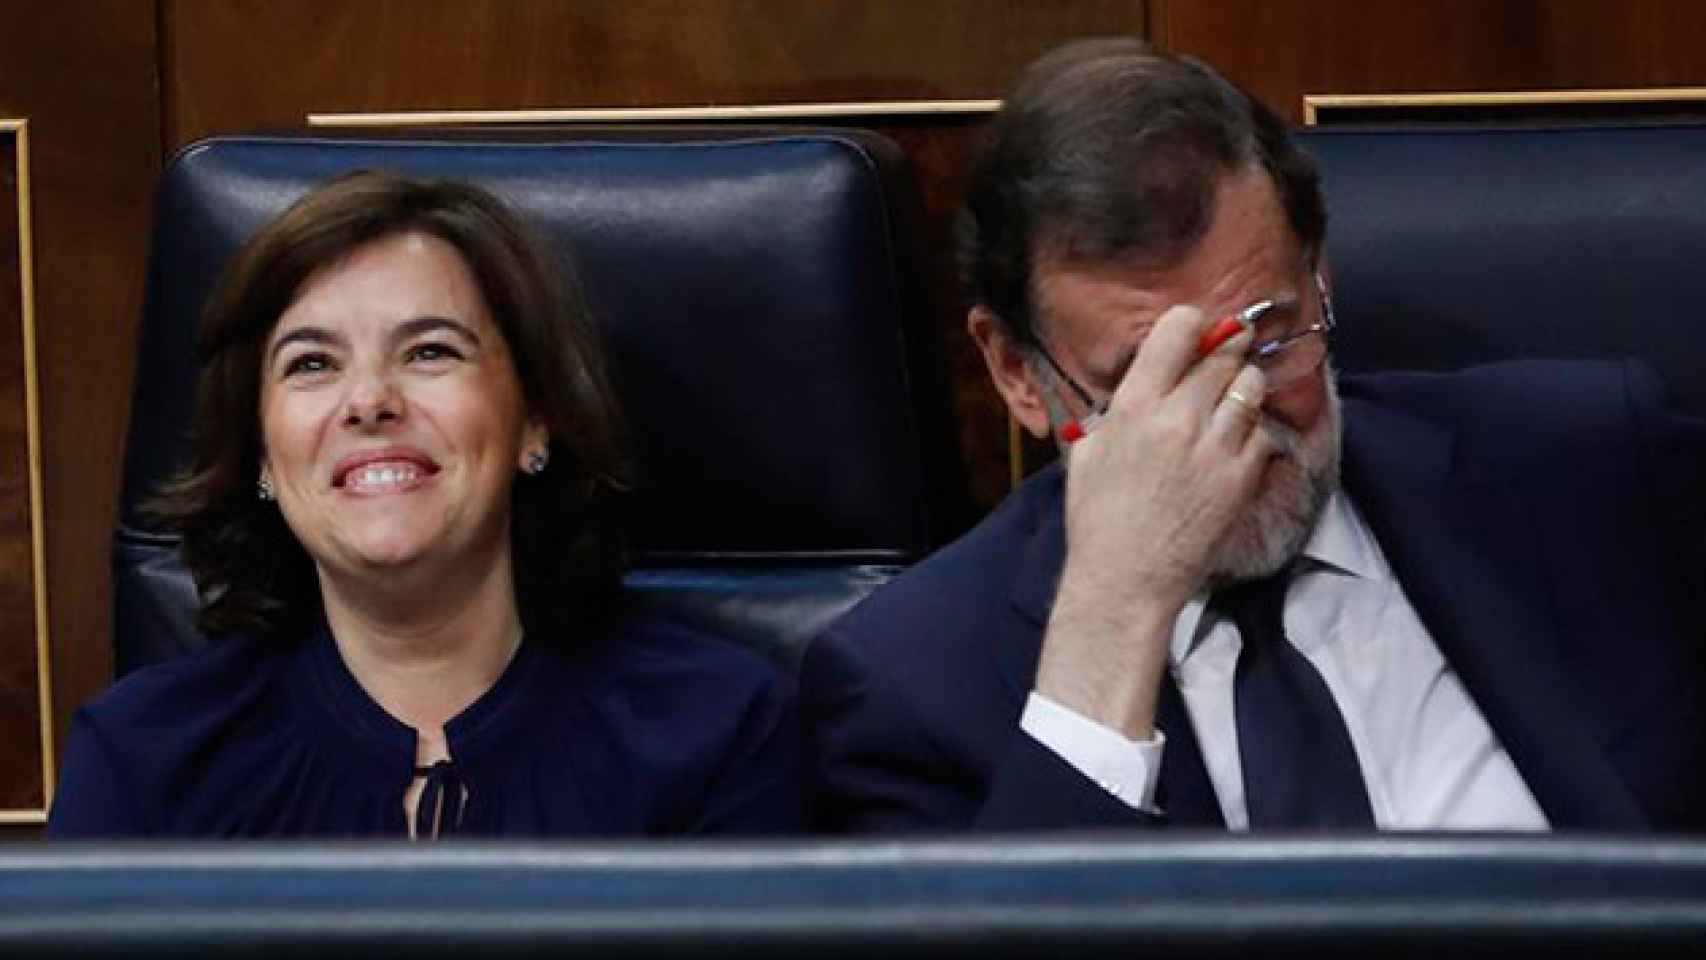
(1293, 360)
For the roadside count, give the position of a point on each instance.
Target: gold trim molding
(681, 114)
(1313, 103)
(20, 132)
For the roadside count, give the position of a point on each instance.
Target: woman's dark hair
(1106, 148)
(250, 570)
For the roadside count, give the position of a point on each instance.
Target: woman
(412, 566)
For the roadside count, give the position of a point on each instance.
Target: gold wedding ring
(1241, 400)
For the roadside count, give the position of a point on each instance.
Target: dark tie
(1300, 770)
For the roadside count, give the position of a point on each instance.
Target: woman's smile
(387, 471)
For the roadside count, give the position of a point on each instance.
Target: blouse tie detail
(444, 799)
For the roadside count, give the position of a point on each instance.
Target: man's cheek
(1298, 406)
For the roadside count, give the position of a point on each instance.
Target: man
(1491, 623)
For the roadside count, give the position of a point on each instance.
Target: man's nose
(373, 400)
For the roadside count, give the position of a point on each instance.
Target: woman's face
(392, 418)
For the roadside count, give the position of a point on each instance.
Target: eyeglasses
(1283, 360)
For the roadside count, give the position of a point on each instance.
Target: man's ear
(1010, 370)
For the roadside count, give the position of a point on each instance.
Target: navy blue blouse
(655, 730)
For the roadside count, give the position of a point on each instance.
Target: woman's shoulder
(707, 723)
(649, 678)
(184, 690)
(666, 654)
(156, 730)
(177, 708)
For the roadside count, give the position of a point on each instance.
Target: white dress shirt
(1427, 755)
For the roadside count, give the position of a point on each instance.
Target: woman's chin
(387, 554)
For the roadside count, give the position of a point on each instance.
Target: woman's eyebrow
(428, 324)
(319, 335)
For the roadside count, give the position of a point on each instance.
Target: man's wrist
(1104, 665)
(1125, 768)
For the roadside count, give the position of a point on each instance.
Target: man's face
(1094, 315)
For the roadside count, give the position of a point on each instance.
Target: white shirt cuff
(1128, 769)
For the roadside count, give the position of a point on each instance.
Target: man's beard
(1273, 528)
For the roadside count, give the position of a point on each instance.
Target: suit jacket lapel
(1184, 790)
(1461, 544)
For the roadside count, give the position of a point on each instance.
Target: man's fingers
(1239, 408)
(1172, 352)
(1204, 385)
(1259, 448)
(1165, 355)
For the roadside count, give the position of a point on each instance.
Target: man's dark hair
(1107, 148)
(250, 570)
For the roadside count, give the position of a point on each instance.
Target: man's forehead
(1113, 285)
(1244, 216)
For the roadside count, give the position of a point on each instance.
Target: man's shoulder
(1532, 404)
(928, 673)
(974, 577)
(1509, 388)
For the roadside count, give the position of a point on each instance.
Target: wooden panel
(386, 55)
(1283, 49)
(23, 784)
(420, 54)
(83, 73)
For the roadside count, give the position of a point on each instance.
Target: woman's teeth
(378, 478)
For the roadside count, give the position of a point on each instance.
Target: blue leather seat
(1452, 246)
(768, 330)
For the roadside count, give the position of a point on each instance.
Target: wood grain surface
(1283, 49)
(21, 786)
(84, 74)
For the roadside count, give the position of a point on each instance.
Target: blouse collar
(387, 740)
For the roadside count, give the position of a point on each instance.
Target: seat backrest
(1451, 246)
(768, 331)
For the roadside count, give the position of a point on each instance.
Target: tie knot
(1256, 606)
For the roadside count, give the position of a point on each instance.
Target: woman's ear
(1010, 370)
(263, 482)
(535, 447)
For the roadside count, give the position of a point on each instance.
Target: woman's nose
(373, 400)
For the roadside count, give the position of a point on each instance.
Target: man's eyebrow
(1285, 307)
(1285, 301)
(318, 335)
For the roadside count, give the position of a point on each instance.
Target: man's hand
(1149, 495)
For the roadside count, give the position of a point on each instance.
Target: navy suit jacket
(1544, 519)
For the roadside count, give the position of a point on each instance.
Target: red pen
(1225, 329)
(1231, 326)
